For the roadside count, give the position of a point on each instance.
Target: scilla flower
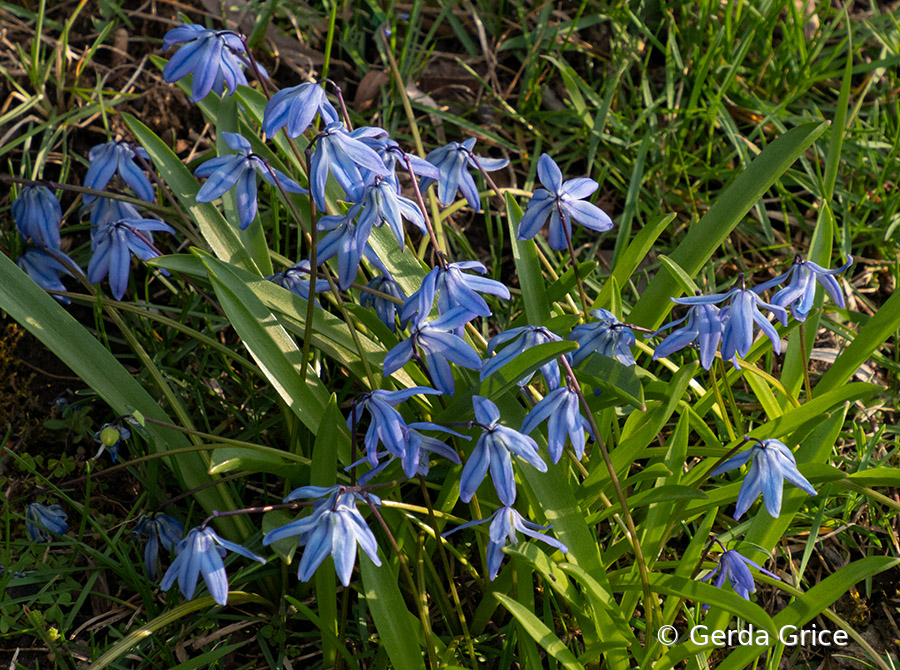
(518, 341)
(113, 245)
(295, 108)
(117, 157)
(736, 569)
(160, 529)
(240, 169)
(45, 266)
(561, 411)
(41, 520)
(202, 552)
(561, 202)
(212, 56)
(606, 336)
(454, 162)
(296, 279)
(494, 452)
(38, 214)
(772, 463)
(704, 327)
(800, 292)
(335, 527)
(504, 524)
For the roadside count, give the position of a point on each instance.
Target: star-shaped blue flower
(295, 109)
(160, 529)
(113, 245)
(454, 162)
(561, 202)
(454, 289)
(296, 279)
(504, 524)
(772, 463)
(384, 308)
(800, 292)
(386, 424)
(518, 341)
(117, 157)
(346, 157)
(335, 527)
(45, 266)
(493, 452)
(212, 56)
(202, 552)
(241, 169)
(704, 326)
(736, 569)
(561, 410)
(606, 336)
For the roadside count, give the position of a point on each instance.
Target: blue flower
(454, 161)
(523, 339)
(704, 326)
(108, 437)
(113, 245)
(414, 458)
(296, 280)
(344, 155)
(41, 520)
(560, 408)
(295, 108)
(241, 169)
(386, 424)
(117, 157)
(494, 451)
(504, 524)
(38, 214)
(44, 267)
(772, 463)
(335, 527)
(382, 204)
(160, 529)
(607, 336)
(213, 57)
(455, 290)
(561, 202)
(384, 308)
(391, 153)
(202, 552)
(738, 319)
(105, 211)
(736, 569)
(347, 240)
(801, 289)
(439, 346)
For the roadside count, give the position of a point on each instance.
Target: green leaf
(705, 237)
(612, 377)
(528, 268)
(540, 633)
(390, 614)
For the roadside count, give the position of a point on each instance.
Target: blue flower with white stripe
(454, 162)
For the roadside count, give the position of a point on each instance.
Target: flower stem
(720, 401)
(650, 604)
(804, 356)
(585, 306)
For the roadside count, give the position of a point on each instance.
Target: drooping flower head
(704, 327)
(738, 318)
(109, 437)
(454, 162)
(41, 520)
(772, 462)
(561, 202)
(454, 289)
(296, 279)
(386, 425)
(214, 57)
(111, 158)
(335, 527)
(560, 409)
(736, 569)
(518, 341)
(38, 214)
(381, 204)
(160, 529)
(606, 336)
(295, 109)
(493, 452)
(384, 308)
(800, 292)
(45, 266)
(504, 524)
(202, 552)
(113, 245)
(345, 156)
(439, 346)
(240, 169)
